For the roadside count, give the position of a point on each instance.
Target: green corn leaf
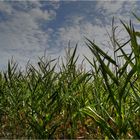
(73, 55)
(92, 45)
(136, 132)
(136, 16)
(128, 59)
(128, 78)
(89, 111)
(106, 69)
(137, 34)
(134, 43)
(111, 93)
(121, 46)
(136, 93)
(100, 120)
(124, 67)
(103, 65)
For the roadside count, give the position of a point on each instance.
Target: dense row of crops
(73, 103)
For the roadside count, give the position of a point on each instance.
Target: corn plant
(43, 102)
(119, 88)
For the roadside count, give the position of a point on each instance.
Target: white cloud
(80, 29)
(21, 35)
(118, 9)
(55, 4)
(6, 8)
(21, 29)
(76, 33)
(40, 14)
(110, 6)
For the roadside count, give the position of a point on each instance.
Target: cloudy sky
(30, 28)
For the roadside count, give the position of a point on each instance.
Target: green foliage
(103, 103)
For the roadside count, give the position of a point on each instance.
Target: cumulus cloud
(79, 28)
(6, 8)
(118, 9)
(110, 6)
(76, 33)
(21, 35)
(55, 4)
(40, 14)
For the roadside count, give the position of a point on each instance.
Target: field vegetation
(102, 103)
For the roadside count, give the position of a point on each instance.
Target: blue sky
(28, 28)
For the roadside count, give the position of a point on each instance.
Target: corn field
(102, 103)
